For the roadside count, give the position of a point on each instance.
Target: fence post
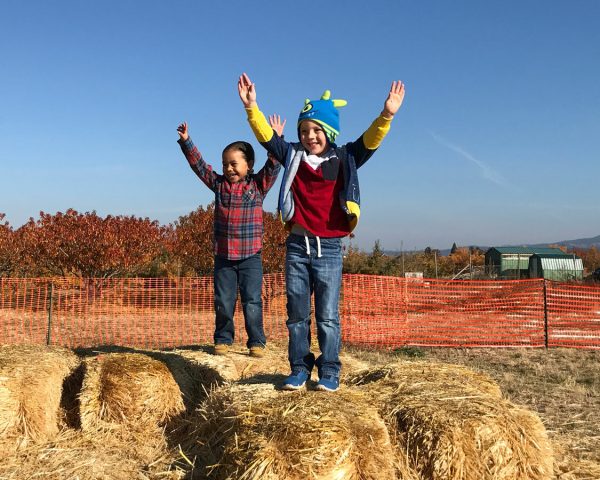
(48, 335)
(545, 316)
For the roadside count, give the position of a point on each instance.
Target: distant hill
(577, 243)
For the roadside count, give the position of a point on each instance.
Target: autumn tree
(355, 261)
(9, 251)
(589, 256)
(192, 243)
(87, 245)
(273, 253)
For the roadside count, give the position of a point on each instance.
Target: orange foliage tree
(191, 246)
(461, 258)
(87, 245)
(9, 248)
(273, 253)
(590, 257)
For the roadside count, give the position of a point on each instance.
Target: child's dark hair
(246, 150)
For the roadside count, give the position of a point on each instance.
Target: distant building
(561, 268)
(513, 262)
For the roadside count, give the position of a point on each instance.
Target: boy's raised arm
(194, 157)
(374, 135)
(247, 91)
(263, 132)
(394, 99)
(182, 130)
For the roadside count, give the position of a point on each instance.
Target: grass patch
(410, 352)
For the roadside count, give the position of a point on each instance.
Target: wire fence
(377, 311)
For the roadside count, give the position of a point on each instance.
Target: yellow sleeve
(375, 134)
(259, 125)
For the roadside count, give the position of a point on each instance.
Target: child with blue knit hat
(319, 202)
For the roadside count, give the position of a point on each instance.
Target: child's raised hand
(394, 99)
(247, 91)
(277, 124)
(182, 130)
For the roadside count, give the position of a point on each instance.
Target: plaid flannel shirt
(238, 223)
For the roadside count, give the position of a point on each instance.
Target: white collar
(315, 161)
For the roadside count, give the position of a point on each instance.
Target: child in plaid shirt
(238, 231)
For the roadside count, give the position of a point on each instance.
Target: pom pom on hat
(324, 112)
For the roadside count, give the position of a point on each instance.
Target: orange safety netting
(393, 312)
(573, 315)
(377, 311)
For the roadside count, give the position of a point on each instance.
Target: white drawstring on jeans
(319, 255)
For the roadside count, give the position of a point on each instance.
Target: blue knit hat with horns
(325, 113)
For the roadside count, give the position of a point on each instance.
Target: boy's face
(235, 166)
(312, 137)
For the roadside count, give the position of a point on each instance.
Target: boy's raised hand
(247, 91)
(182, 130)
(277, 124)
(394, 99)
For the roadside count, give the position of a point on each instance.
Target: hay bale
(255, 432)
(31, 384)
(194, 379)
(447, 422)
(473, 436)
(128, 388)
(217, 369)
(411, 372)
(103, 454)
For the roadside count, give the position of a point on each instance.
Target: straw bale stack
(128, 388)
(457, 427)
(31, 384)
(255, 432)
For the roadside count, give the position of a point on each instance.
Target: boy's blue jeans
(246, 274)
(305, 273)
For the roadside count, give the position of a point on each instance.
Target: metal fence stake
(48, 334)
(545, 316)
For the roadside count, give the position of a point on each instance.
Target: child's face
(235, 166)
(312, 137)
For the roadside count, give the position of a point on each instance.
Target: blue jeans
(305, 274)
(247, 275)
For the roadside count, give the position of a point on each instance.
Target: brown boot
(221, 349)
(257, 351)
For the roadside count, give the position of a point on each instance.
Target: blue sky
(498, 140)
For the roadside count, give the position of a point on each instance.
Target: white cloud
(486, 171)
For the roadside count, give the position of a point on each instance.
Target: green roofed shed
(561, 268)
(513, 262)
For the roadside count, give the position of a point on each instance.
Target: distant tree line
(429, 261)
(86, 245)
(462, 262)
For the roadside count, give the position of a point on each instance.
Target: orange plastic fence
(573, 315)
(393, 312)
(374, 310)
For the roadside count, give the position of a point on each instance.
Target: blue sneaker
(328, 383)
(296, 380)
